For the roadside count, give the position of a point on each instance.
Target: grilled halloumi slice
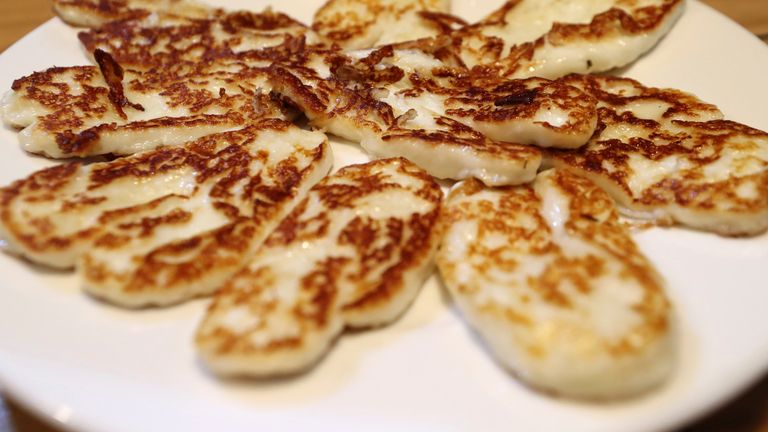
(356, 24)
(165, 225)
(533, 111)
(406, 103)
(554, 285)
(89, 110)
(354, 253)
(94, 13)
(665, 155)
(257, 38)
(552, 38)
(452, 150)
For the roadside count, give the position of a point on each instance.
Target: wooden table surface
(749, 412)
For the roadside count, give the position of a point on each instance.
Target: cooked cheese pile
(164, 225)
(216, 192)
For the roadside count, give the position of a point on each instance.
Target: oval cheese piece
(557, 289)
(552, 38)
(355, 24)
(666, 156)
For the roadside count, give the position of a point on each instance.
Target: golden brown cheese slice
(355, 24)
(254, 37)
(452, 150)
(162, 226)
(555, 286)
(88, 110)
(552, 38)
(665, 155)
(354, 253)
(94, 13)
(406, 103)
(534, 111)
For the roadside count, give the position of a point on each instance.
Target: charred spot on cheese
(113, 75)
(525, 97)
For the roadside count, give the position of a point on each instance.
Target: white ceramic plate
(90, 366)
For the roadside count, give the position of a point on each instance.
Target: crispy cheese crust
(90, 110)
(94, 13)
(354, 253)
(254, 37)
(555, 286)
(355, 24)
(552, 38)
(665, 155)
(162, 226)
